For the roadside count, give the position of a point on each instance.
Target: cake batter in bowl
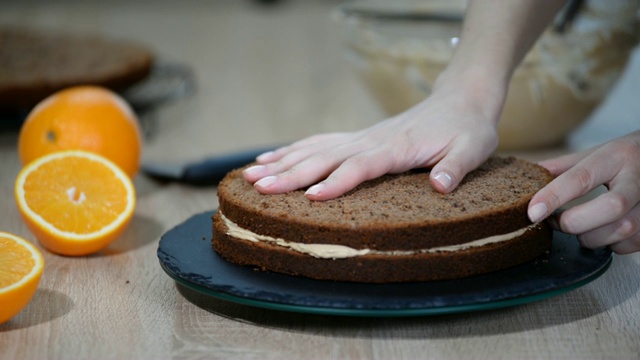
(399, 48)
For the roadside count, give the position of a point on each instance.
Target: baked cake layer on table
(35, 63)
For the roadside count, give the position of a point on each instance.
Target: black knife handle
(212, 170)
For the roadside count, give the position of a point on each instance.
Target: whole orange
(89, 118)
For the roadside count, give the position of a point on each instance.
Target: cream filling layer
(332, 251)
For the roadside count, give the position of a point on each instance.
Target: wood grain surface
(267, 75)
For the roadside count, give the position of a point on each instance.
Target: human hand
(448, 131)
(611, 219)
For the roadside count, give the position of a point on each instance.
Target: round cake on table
(395, 228)
(35, 63)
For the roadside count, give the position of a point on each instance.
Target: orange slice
(21, 265)
(75, 202)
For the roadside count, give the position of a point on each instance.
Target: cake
(395, 228)
(36, 63)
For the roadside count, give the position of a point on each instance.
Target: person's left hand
(611, 219)
(452, 132)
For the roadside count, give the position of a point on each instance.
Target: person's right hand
(451, 132)
(611, 219)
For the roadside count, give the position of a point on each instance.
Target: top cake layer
(393, 212)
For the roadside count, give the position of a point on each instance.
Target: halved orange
(21, 265)
(75, 202)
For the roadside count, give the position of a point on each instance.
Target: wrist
(485, 90)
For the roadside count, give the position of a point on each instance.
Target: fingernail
(266, 181)
(264, 156)
(444, 179)
(253, 170)
(315, 189)
(537, 212)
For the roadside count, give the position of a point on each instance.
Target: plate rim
(248, 300)
(436, 310)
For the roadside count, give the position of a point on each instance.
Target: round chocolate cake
(35, 63)
(395, 228)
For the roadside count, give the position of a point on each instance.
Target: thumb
(449, 172)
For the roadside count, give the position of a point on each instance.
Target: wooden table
(265, 75)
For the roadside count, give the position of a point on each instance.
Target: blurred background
(250, 73)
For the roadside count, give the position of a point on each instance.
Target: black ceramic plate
(186, 255)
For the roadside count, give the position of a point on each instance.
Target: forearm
(498, 33)
(496, 36)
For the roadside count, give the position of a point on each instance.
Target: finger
(594, 170)
(271, 156)
(351, 173)
(563, 163)
(457, 163)
(305, 171)
(627, 246)
(274, 155)
(623, 196)
(279, 153)
(286, 162)
(287, 157)
(611, 233)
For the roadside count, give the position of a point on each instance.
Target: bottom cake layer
(378, 268)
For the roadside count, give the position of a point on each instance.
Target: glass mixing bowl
(398, 48)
